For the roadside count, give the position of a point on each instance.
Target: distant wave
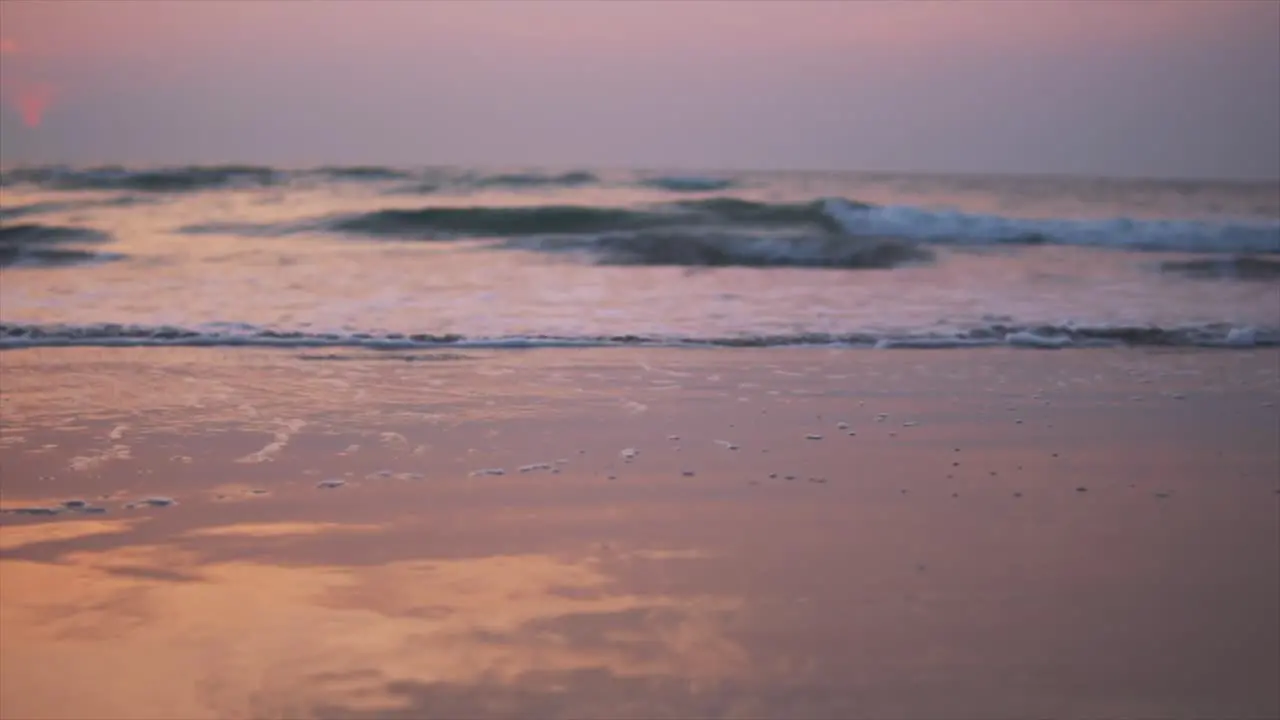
(17, 336)
(30, 244)
(687, 183)
(360, 172)
(152, 180)
(523, 180)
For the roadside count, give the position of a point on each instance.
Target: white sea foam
(953, 226)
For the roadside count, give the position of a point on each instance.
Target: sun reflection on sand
(103, 633)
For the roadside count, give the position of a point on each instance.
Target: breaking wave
(1221, 335)
(949, 226)
(841, 219)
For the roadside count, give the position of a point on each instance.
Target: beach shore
(639, 532)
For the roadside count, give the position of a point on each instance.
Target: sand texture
(639, 533)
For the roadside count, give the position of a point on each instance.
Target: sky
(1139, 88)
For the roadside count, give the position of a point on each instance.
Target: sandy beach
(623, 532)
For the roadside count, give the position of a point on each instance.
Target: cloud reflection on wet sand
(109, 632)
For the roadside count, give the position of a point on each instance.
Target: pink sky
(1102, 87)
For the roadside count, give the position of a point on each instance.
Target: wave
(360, 172)
(153, 180)
(687, 183)
(39, 208)
(30, 244)
(1219, 335)
(741, 248)
(14, 212)
(949, 226)
(449, 222)
(835, 216)
(1229, 268)
(525, 180)
(498, 221)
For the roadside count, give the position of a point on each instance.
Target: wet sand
(784, 533)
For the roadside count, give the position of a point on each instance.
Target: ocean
(403, 257)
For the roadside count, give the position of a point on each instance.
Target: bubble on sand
(726, 445)
(535, 466)
(629, 453)
(910, 423)
(153, 501)
(673, 437)
(331, 483)
(842, 425)
(393, 439)
(813, 436)
(490, 471)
